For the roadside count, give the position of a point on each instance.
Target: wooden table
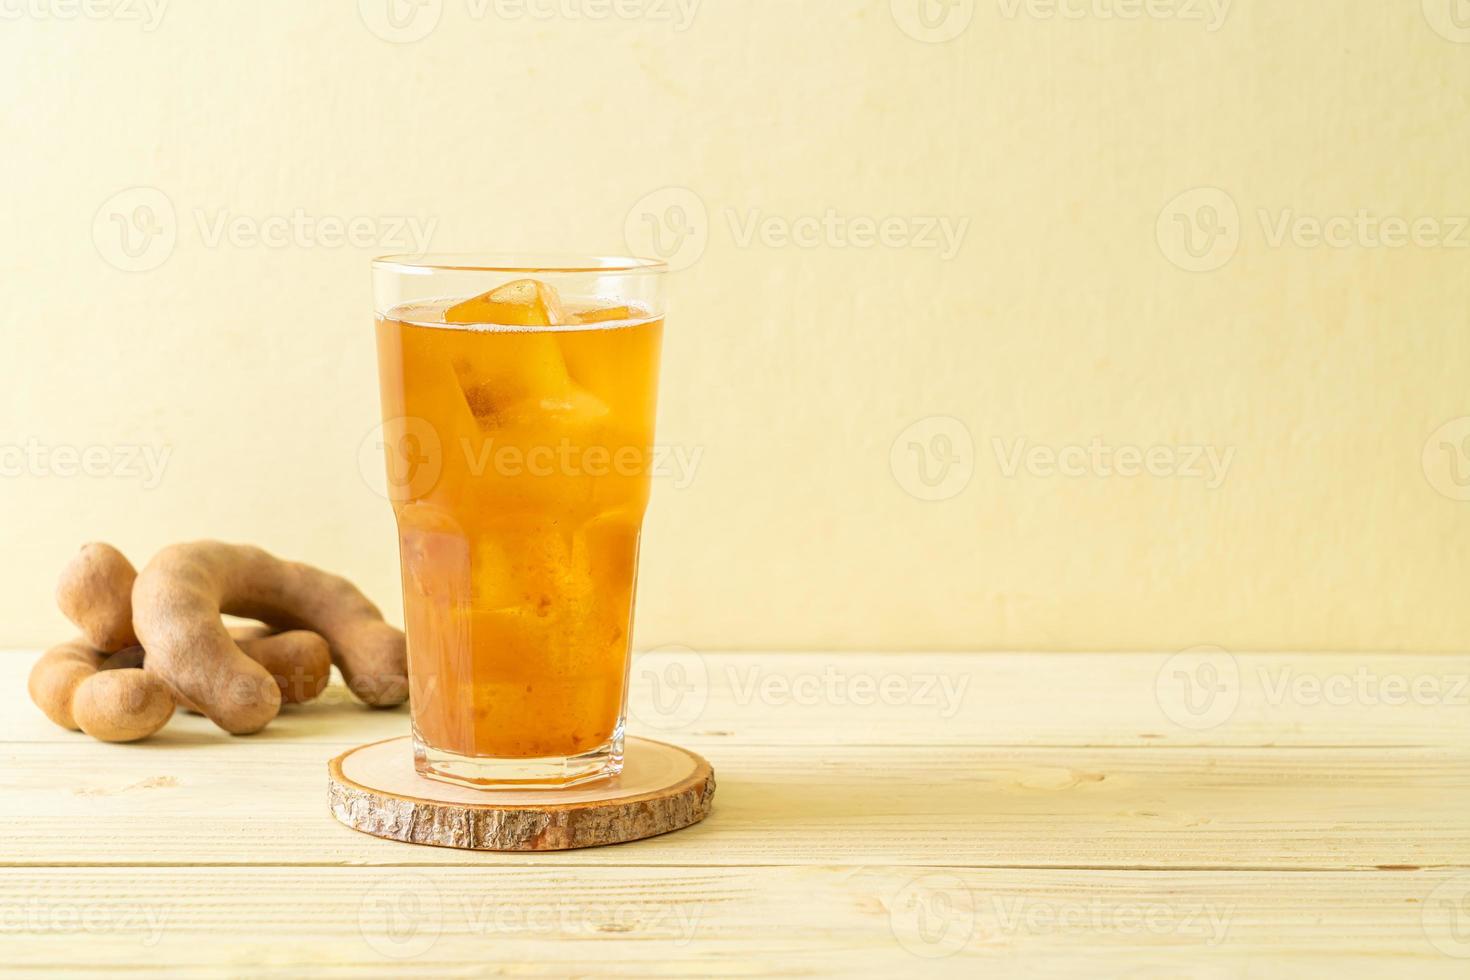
(877, 815)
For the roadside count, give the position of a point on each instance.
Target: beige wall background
(1093, 325)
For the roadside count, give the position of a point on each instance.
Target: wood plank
(1003, 699)
(870, 921)
(265, 802)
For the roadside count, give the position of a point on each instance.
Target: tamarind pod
(177, 603)
(73, 685)
(95, 592)
(122, 705)
(57, 675)
(298, 660)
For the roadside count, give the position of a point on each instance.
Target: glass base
(549, 772)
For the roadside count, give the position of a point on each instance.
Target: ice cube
(522, 303)
(509, 378)
(608, 314)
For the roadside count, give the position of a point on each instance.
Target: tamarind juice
(518, 436)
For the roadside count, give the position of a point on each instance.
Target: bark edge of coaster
(374, 789)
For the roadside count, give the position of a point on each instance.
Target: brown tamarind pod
(73, 685)
(299, 660)
(95, 592)
(177, 603)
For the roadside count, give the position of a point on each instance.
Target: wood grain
(1052, 818)
(373, 789)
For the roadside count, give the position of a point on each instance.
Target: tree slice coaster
(375, 789)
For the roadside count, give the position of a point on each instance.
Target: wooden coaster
(375, 789)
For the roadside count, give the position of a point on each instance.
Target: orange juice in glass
(518, 404)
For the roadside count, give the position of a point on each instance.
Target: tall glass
(518, 405)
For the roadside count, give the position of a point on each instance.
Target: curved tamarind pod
(95, 592)
(179, 597)
(299, 660)
(78, 688)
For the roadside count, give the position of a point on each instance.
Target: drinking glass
(518, 398)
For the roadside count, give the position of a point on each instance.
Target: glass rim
(518, 262)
